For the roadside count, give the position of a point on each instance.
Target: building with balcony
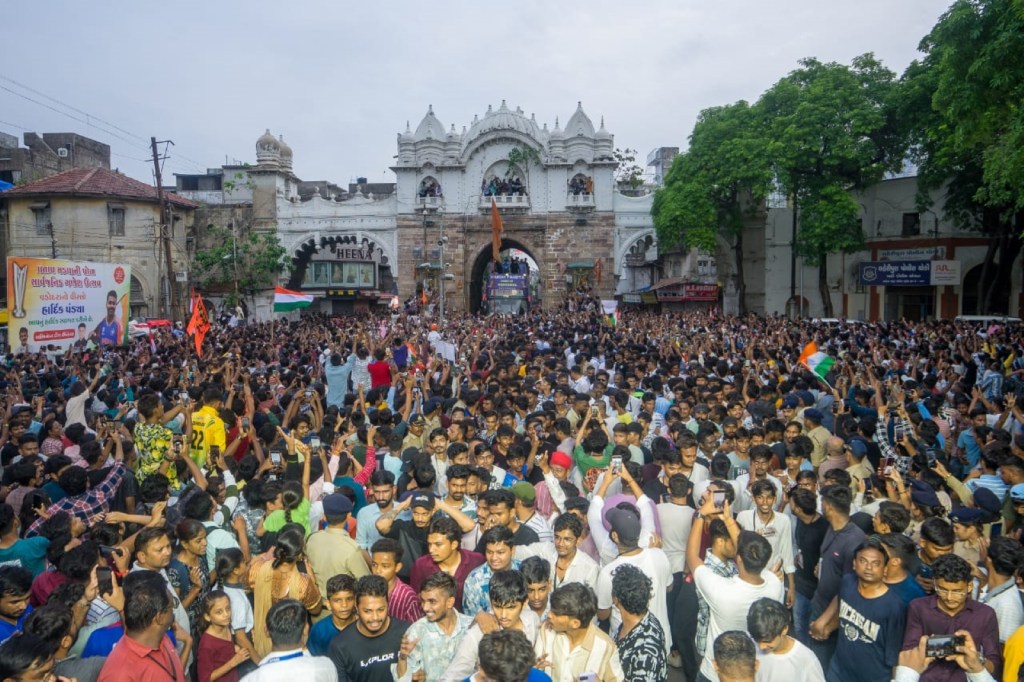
(554, 188)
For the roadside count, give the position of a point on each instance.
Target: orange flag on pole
(496, 229)
(199, 324)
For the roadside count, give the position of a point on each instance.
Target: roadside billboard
(64, 302)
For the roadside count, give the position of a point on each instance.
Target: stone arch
(627, 245)
(501, 180)
(138, 306)
(581, 183)
(508, 136)
(303, 248)
(429, 187)
(479, 268)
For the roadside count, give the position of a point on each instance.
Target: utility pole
(164, 237)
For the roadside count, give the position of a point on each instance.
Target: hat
(560, 459)
(524, 492)
(923, 494)
(814, 415)
(336, 505)
(422, 500)
(409, 456)
(417, 420)
(625, 523)
(790, 402)
(1017, 493)
(431, 405)
(806, 397)
(859, 448)
(967, 516)
(987, 501)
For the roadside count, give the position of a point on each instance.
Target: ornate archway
(478, 272)
(349, 248)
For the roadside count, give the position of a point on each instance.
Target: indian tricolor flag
(816, 361)
(286, 299)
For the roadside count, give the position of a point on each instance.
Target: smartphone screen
(314, 442)
(275, 457)
(718, 497)
(616, 465)
(105, 579)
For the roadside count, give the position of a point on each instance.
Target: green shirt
(276, 519)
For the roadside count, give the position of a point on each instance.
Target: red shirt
(425, 566)
(131, 661)
(380, 374)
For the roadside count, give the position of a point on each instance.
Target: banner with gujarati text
(63, 302)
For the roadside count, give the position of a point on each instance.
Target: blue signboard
(507, 286)
(896, 273)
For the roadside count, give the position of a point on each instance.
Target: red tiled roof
(97, 182)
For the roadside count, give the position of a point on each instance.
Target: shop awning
(662, 283)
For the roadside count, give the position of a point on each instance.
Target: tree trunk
(741, 285)
(1009, 248)
(826, 298)
(985, 269)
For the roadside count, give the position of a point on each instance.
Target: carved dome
(580, 124)
(602, 134)
(268, 149)
(430, 128)
(504, 118)
(286, 154)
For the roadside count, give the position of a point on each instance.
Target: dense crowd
(544, 497)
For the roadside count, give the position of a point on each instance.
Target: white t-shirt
(778, 532)
(799, 664)
(654, 563)
(729, 600)
(675, 531)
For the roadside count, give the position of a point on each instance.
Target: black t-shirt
(413, 540)
(127, 488)
(836, 561)
(522, 537)
(359, 658)
(870, 634)
(808, 544)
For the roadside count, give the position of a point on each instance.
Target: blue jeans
(802, 619)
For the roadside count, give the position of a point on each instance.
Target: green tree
(832, 130)
(521, 159)
(961, 105)
(718, 183)
(248, 263)
(628, 173)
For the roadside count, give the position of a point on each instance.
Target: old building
(554, 188)
(914, 264)
(48, 154)
(96, 214)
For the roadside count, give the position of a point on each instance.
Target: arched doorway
(972, 304)
(479, 273)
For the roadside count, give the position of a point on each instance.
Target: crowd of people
(681, 495)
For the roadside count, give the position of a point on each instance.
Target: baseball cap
(858, 447)
(790, 402)
(422, 500)
(1017, 493)
(813, 414)
(417, 420)
(986, 500)
(625, 523)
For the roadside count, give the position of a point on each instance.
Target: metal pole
(440, 243)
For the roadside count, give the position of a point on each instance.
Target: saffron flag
(496, 229)
(816, 361)
(285, 300)
(199, 324)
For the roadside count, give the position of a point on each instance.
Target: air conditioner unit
(63, 152)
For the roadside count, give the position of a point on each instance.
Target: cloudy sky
(340, 79)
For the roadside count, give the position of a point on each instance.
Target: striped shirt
(404, 603)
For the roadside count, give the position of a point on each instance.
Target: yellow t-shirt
(207, 429)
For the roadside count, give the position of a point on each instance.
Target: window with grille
(42, 215)
(115, 216)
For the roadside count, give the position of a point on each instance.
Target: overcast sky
(341, 79)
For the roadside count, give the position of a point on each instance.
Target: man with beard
(412, 534)
(445, 556)
(429, 644)
(366, 652)
(382, 483)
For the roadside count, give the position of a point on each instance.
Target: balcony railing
(506, 201)
(579, 201)
(429, 203)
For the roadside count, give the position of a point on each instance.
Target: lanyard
(279, 659)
